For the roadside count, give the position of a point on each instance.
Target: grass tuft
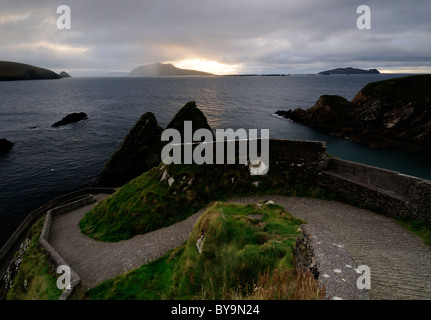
(243, 247)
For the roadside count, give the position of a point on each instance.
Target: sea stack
(141, 149)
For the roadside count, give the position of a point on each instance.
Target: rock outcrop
(5, 145)
(189, 112)
(12, 71)
(71, 118)
(139, 152)
(141, 149)
(393, 113)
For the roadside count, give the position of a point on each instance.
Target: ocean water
(46, 162)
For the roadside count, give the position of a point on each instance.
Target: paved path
(96, 261)
(400, 263)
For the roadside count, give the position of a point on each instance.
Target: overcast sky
(225, 36)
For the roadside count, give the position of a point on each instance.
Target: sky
(218, 36)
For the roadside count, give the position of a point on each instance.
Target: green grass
(149, 203)
(36, 271)
(238, 252)
(420, 229)
(406, 89)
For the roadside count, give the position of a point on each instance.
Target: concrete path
(400, 263)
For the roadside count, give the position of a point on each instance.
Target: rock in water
(394, 113)
(141, 149)
(5, 145)
(71, 118)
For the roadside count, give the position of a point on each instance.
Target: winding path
(400, 263)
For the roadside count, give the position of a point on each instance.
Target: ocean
(46, 162)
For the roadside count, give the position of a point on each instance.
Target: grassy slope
(404, 89)
(36, 271)
(238, 252)
(147, 203)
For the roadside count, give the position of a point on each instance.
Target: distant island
(349, 70)
(12, 71)
(64, 74)
(160, 70)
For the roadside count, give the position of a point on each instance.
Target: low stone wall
(52, 254)
(302, 159)
(389, 192)
(317, 250)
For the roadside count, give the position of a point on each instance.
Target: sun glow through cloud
(208, 66)
(407, 70)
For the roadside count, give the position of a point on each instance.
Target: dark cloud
(260, 36)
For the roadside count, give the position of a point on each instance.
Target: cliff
(349, 70)
(11, 71)
(393, 113)
(160, 69)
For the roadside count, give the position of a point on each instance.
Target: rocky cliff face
(141, 149)
(394, 113)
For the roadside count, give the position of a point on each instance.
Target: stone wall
(385, 191)
(52, 254)
(301, 159)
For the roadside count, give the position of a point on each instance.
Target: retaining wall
(390, 192)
